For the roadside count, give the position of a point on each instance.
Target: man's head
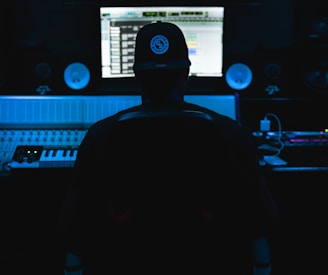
(160, 46)
(160, 52)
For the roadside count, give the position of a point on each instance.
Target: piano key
(57, 158)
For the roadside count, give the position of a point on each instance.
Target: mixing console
(46, 131)
(39, 148)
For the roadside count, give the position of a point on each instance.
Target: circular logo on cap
(159, 44)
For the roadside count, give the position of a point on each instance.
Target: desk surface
(303, 151)
(303, 158)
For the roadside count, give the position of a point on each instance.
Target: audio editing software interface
(202, 27)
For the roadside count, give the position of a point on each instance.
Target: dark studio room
(67, 64)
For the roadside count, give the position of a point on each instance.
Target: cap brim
(174, 64)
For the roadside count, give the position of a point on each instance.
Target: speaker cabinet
(43, 74)
(311, 48)
(270, 74)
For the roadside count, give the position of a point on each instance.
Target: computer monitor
(201, 25)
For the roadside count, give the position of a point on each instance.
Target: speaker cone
(77, 76)
(239, 76)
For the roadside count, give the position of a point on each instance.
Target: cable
(265, 126)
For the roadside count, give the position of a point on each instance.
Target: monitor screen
(202, 27)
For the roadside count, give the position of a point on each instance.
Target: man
(156, 201)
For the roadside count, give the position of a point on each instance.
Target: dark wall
(302, 79)
(47, 37)
(6, 31)
(261, 36)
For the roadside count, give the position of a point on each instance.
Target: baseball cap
(160, 45)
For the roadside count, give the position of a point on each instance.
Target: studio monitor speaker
(43, 73)
(239, 76)
(77, 76)
(311, 48)
(259, 74)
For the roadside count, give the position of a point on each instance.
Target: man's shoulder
(109, 121)
(215, 115)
